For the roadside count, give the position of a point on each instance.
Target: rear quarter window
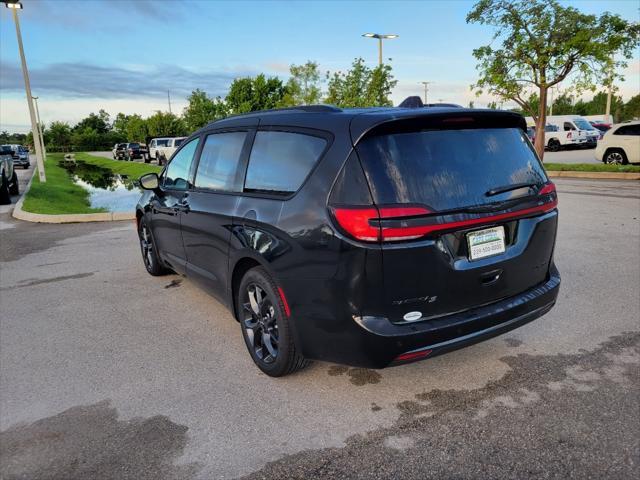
(280, 161)
(448, 169)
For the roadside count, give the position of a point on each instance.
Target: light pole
(607, 113)
(44, 151)
(15, 5)
(426, 89)
(380, 37)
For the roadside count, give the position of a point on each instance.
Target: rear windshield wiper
(508, 188)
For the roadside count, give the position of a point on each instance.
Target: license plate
(485, 243)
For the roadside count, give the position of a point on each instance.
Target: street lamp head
(15, 4)
(380, 35)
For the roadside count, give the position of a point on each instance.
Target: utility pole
(15, 6)
(169, 99)
(426, 89)
(44, 151)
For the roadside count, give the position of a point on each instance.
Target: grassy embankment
(591, 167)
(59, 195)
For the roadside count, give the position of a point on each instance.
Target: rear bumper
(375, 342)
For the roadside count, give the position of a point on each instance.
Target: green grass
(59, 195)
(591, 167)
(133, 169)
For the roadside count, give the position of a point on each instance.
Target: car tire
(615, 156)
(5, 198)
(553, 145)
(265, 326)
(152, 262)
(14, 189)
(27, 166)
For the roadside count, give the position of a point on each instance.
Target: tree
(563, 105)
(59, 136)
(136, 129)
(631, 109)
(98, 122)
(120, 123)
(202, 110)
(303, 88)
(252, 94)
(544, 43)
(360, 86)
(165, 124)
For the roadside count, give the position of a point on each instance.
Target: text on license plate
(487, 242)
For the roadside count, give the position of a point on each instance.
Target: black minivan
(368, 237)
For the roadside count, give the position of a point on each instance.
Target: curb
(594, 175)
(20, 214)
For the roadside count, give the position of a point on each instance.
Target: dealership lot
(107, 372)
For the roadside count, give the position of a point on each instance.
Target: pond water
(108, 190)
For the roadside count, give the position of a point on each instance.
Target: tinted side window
(177, 173)
(568, 126)
(219, 161)
(628, 130)
(280, 161)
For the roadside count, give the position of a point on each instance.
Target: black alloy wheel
(149, 255)
(260, 323)
(265, 325)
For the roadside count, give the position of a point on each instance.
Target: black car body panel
(348, 298)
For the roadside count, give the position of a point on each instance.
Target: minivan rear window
(448, 169)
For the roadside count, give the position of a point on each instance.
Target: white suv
(621, 144)
(162, 148)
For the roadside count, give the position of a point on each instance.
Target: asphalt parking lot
(107, 372)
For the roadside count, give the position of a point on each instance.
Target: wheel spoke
(266, 341)
(253, 300)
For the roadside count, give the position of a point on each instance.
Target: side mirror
(150, 181)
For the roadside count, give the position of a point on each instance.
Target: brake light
(365, 223)
(549, 189)
(355, 221)
(360, 223)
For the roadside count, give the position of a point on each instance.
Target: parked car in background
(556, 139)
(133, 151)
(118, 151)
(161, 149)
(578, 126)
(8, 176)
(20, 155)
(621, 144)
(601, 127)
(329, 236)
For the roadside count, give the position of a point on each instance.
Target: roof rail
(311, 108)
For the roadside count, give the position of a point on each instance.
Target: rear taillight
(371, 224)
(363, 223)
(549, 191)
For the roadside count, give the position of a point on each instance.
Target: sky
(123, 55)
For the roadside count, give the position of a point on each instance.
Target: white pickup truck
(161, 149)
